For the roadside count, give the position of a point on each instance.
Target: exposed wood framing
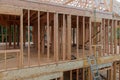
(69, 37)
(64, 38)
(114, 71)
(108, 37)
(69, 1)
(77, 36)
(115, 37)
(39, 37)
(83, 36)
(28, 38)
(48, 37)
(90, 45)
(56, 36)
(111, 38)
(21, 38)
(77, 74)
(59, 37)
(71, 78)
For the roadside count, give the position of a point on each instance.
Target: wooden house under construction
(52, 39)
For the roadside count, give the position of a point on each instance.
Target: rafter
(68, 1)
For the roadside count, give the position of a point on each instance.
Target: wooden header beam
(9, 9)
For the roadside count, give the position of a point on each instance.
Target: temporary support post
(21, 38)
(56, 36)
(48, 37)
(39, 37)
(69, 36)
(64, 37)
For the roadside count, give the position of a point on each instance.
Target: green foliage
(118, 33)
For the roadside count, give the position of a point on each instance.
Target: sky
(118, 0)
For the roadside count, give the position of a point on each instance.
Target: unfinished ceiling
(102, 5)
(99, 5)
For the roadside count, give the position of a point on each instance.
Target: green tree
(118, 33)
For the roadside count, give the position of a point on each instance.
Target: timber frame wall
(64, 20)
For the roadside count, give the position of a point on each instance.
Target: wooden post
(83, 36)
(108, 75)
(77, 74)
(77, 37)
(69, 37)
(18, 29)
(114, 71)
(90, 45)
(29, 38)
(104, 37)
(101, 37)
(10, 35)
(83, 73)
(56, 36)
(70, 74)
(111, 5)
(119, 70)
(119, 37)
(115, 37)
(42, 38)
(64, 38)
(24, 36)
(111, 73)
(108, 38)
(48, 37)
(111, 38)
(61, 78)
(21, 38)
(39, 37)
(14, 36)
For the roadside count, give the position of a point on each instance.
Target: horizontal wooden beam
(10, 51)
(68, 1)
(9, 9)
(59, 67)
